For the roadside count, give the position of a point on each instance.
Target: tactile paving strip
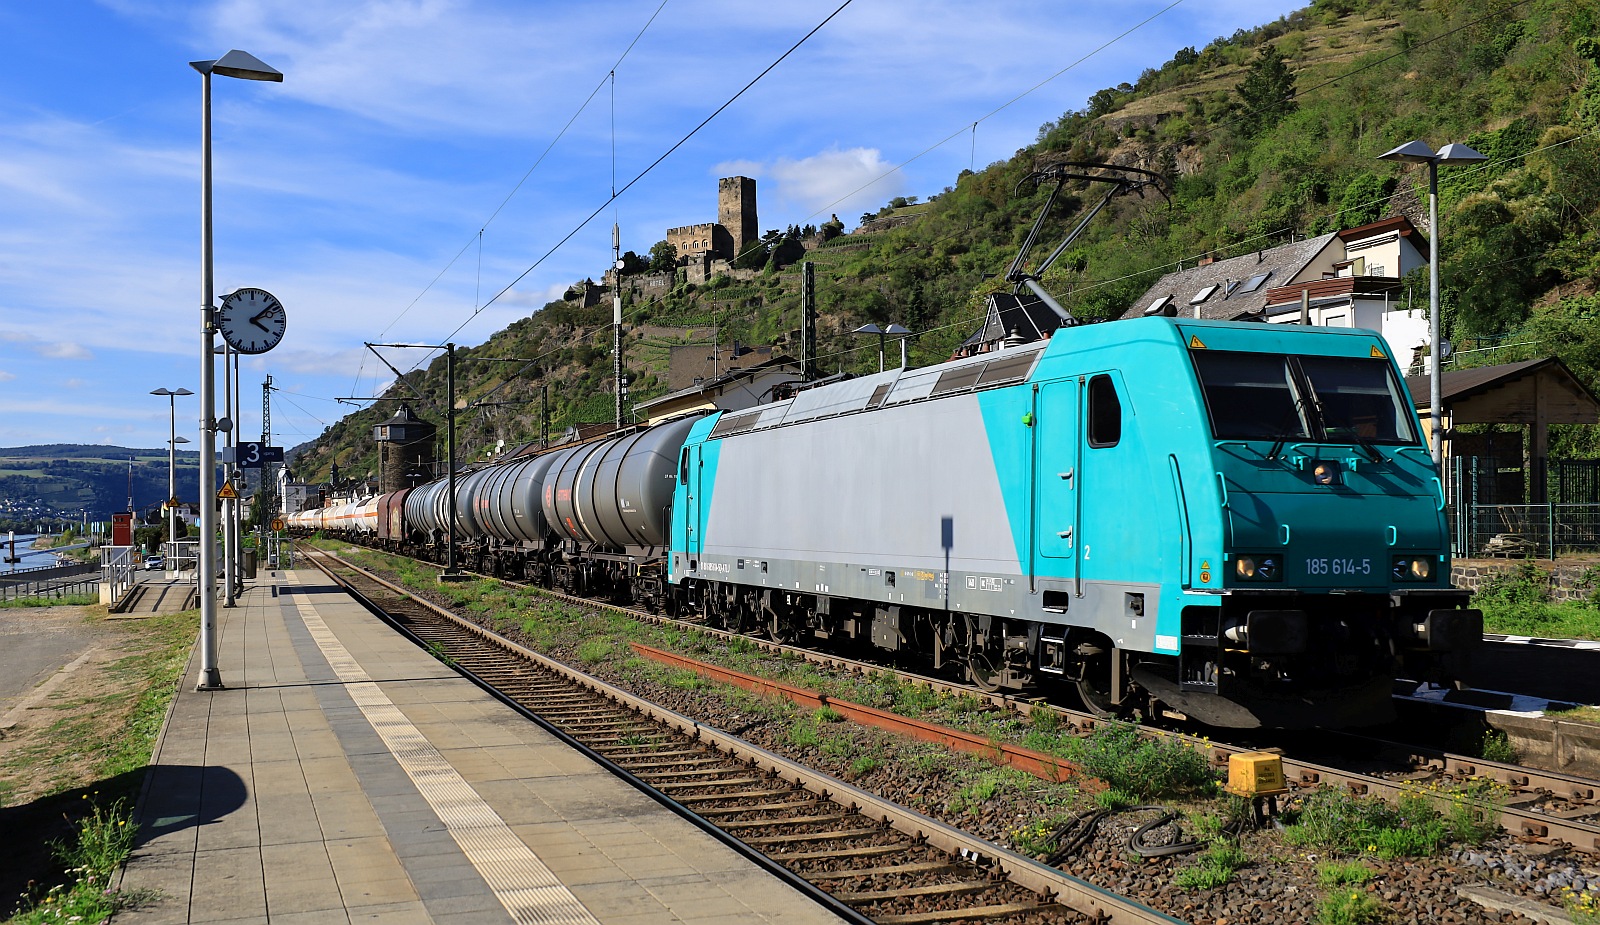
(522, 882)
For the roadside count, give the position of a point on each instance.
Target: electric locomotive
(1233, 522)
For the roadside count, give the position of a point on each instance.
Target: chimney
(1207, 260)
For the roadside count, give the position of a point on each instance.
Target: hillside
(1266, 134)
(68, 479)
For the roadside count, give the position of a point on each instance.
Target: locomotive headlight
(1412, 568)
(1258, 567)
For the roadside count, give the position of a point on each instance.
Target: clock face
(251, 320)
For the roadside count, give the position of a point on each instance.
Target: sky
(413, 177)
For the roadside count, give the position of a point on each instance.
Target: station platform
(345, 775)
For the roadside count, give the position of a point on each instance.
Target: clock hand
(259, 324)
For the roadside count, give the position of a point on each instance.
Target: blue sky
(402, 125)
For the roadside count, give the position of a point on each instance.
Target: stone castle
(700, 246)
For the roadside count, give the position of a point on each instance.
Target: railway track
(1543, 807)
(873, 859)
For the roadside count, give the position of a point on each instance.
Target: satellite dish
(1446, 348)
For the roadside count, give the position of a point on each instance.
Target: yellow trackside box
(1253, 774)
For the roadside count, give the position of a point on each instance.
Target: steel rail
(1518, 821)
(1080, 895)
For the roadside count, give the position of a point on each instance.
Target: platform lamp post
(1417, 152)
(904, 333)
(172, 461)
(246, 67)
(873, 329)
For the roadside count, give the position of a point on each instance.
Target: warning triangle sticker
(1195, 342)
(1376, 352)
(226, 491)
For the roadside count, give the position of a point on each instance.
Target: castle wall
(692, 240)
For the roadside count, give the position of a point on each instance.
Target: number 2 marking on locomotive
(1085, 550)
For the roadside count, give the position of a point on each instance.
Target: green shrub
(592, 651)
(1496, 746)
(1339, 820)
(1150, 768)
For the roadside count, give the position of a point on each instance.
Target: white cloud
(831, 181)
(6, 377)
(536, 298)
(55, 350)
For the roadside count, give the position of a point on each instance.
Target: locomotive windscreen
(1269, 396)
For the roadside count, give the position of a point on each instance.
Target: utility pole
(616, 319)
(808, 321)
(544, 414)
(268, 505)
(451, 573)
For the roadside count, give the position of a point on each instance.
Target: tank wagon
(1237, 523)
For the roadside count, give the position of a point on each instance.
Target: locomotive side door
(1058, 477)
(689, 478)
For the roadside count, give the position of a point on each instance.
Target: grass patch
(1149, 768)
(1418, 825)
(594, 651)
(1496, 746)
(1349, 907)
(803, 733)
(102, 841)
(1340, 873)
(1214, 867)
(69, 600)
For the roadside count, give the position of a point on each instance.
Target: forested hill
(68, 479)
(1265, 135)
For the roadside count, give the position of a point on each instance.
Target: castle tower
(736, 211)
(405, 448)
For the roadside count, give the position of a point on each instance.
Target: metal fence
(1522, 530)
(54, 589)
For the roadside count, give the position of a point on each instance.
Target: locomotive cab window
(1269, 396)
(683, 467)
(1105, 412)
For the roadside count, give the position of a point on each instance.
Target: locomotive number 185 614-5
(1338, 566)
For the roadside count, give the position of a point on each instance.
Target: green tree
(633, 263)
(1267, 90)
(663, 257)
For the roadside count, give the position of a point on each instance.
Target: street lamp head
(1459, 154)
(896, 329)
(162, 392)
(180, 440)
(240, 64)
(1412, 152)
(868, 329)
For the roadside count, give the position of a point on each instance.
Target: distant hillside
(66, 479)
(1264, 135)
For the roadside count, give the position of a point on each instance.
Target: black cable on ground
(1080, 830)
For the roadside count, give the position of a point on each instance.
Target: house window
(1105, 412)
(1203, 294)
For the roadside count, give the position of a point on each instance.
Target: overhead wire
(996, 111)
(647, 170)
(519, 184)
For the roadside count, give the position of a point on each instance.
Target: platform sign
(254, 455)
